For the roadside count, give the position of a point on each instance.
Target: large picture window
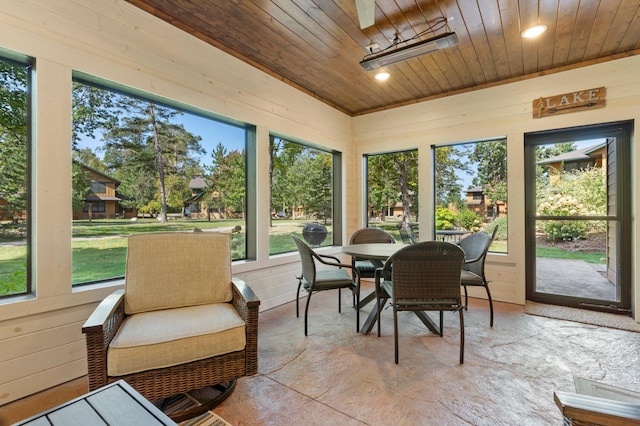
(392, 193)
(302, 194)
(15, 189)
(141, 164)
(471, 190)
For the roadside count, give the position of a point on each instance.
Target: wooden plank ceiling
(316, 45)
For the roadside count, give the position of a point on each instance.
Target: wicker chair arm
(475, 259)
(381, 275)
(328, 256)
(247, 303)
(99, 330)
(106, 318)
(335, 261)
(244, 299)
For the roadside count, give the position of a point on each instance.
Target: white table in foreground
(114, 404)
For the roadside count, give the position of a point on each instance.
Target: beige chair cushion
(175, 269)
(175, 336)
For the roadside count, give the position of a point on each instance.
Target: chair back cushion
(177, 269)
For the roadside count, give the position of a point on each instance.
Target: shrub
(501, 223)
(563, 205)
(445, 219)
(468, 220)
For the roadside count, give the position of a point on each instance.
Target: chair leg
(297, 297)
(486, 287)
(466, 297)
(356, 295)
(339, 300)
(378, 310)
(395, 332)
(357, 285)
(461, 336)
(441, 323)
(306, 309)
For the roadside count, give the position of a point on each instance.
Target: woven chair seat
(329, 279)
(469, 278)
(367, 268)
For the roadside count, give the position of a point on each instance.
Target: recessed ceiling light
(533, 32)
(382, 76)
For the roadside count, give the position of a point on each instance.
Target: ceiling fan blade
(366, 15)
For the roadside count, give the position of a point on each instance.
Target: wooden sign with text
(570, 102)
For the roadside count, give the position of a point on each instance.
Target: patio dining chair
(422, 277)
(475, 247)
(367, 267)
(334, 278)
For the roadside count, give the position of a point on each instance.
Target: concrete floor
(340, 377)
(337, 376)
(573, 278)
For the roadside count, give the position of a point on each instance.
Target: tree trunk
(159, 163)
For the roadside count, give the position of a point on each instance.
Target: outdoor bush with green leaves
(468, 220)
(563, 205)
(445, 219)
(577, 193)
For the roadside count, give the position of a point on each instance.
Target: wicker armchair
(367, 267)
(475, 247)
(425, 277)
(335, 278)
(181, 323)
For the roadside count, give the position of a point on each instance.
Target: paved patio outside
(574, 278)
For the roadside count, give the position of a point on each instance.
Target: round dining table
(377, 251)
(381, 251)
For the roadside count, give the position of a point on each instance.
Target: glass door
(578, 217)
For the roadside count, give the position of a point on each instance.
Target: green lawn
(99, 248)
(104, 228)
(558, 253)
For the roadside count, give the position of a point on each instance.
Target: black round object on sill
(314, 233)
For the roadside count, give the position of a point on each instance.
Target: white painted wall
(504, 111)
(40, 336)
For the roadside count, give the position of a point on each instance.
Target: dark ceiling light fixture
(400, 51)
(399, 54)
